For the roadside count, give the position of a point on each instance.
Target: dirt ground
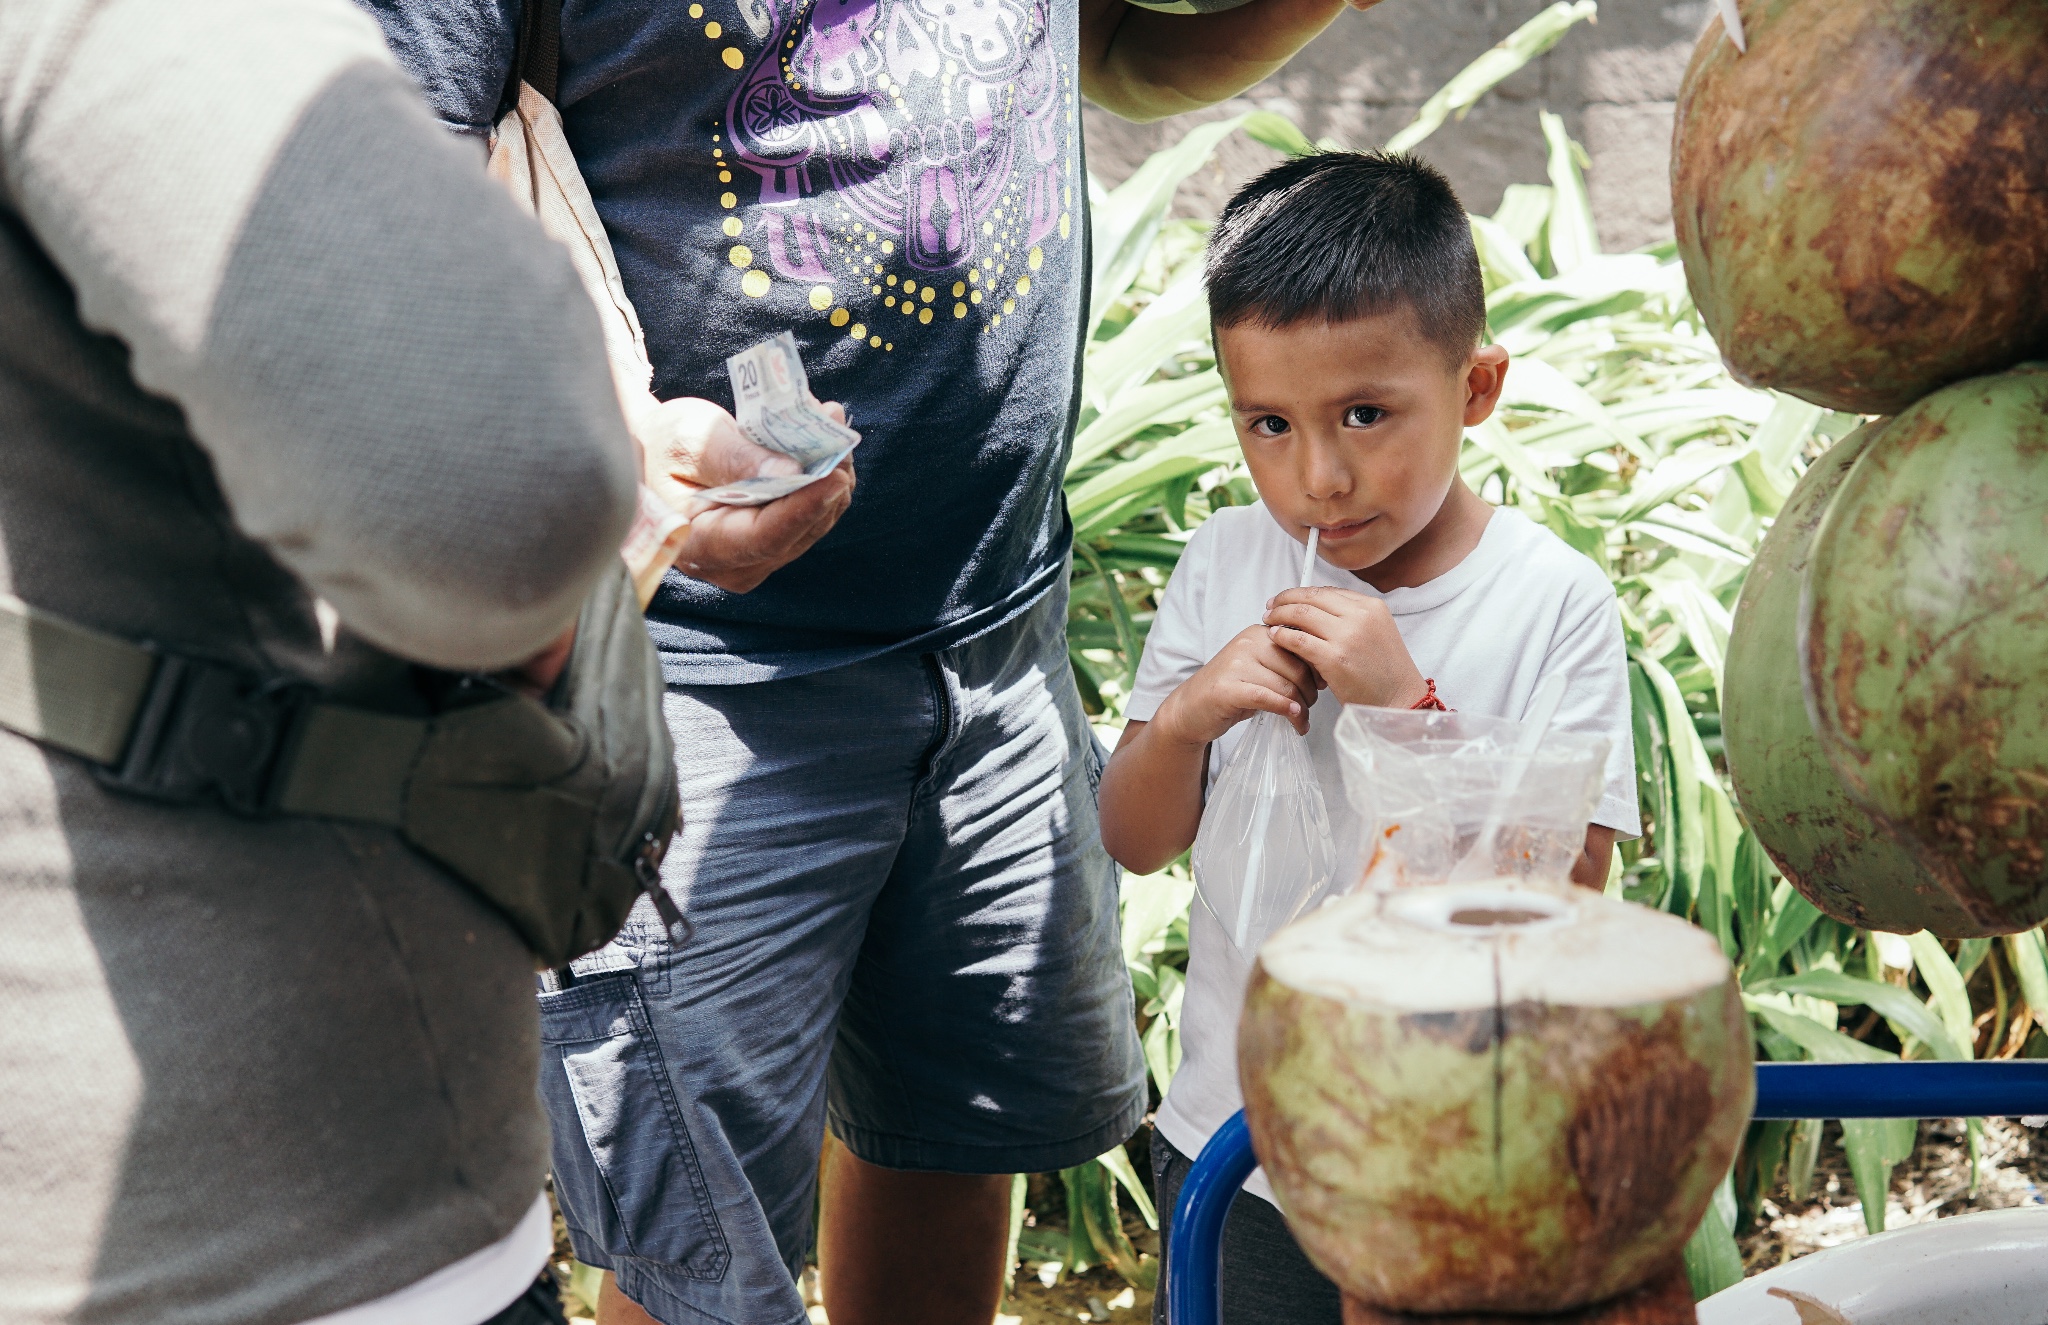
(1040, 1295)
(1933, 1184)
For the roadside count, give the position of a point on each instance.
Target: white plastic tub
(1981, 1269)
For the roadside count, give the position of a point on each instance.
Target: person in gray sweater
(285, 382)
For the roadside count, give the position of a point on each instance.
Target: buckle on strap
(208, 731)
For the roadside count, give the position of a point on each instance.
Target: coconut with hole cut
(1861, 200)
(1924, 637)
(1828, 846)
(1492, 1098)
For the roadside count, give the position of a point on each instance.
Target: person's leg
(685, 1082)
(988, 1030)
(615, 1308)
(540, 1304)
(958, 1222)
(1266, 1277)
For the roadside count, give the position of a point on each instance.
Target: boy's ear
(1485, 375)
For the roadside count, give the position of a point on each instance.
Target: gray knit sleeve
(398, 378)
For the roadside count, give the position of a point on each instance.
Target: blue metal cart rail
(1783, 1090)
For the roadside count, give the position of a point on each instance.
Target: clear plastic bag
(1264, 847)
(1427, 785)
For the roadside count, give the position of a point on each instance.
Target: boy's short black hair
(1342, 235)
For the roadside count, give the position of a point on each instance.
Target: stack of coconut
(1494, 1103)
(1861, 200)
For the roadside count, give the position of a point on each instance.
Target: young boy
(1348, 312)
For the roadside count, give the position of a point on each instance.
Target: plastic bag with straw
(1264, 847)
(1454, 796)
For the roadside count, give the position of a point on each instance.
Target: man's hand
(1350, 640)
(690, 444)
(737, 547)
(1248, 675)
(1144, 65)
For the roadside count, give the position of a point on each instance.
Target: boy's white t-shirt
(1522, 605)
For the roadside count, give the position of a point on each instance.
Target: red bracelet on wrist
(1430, 700)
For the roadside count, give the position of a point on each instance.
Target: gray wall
(1614, 82)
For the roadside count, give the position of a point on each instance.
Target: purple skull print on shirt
(917, 117)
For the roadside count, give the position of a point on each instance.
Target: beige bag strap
(530, 155)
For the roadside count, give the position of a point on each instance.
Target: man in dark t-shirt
(903, 922)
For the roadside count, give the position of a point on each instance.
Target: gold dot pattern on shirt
(696, 11)
(841, 251)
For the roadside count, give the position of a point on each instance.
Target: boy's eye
(1363, 416)
(1269, 425)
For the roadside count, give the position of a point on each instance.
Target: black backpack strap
(537, 57)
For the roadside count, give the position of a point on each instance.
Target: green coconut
(1861, 200)
(1824, 842)
(1924, 629)
(1492, 1098)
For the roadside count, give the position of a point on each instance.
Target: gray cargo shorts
(903, 922)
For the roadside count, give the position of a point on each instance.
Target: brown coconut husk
(1665, 1300)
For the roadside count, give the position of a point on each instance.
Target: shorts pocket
(1097, 759)
(626, 1172)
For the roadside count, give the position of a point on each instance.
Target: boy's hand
(1351, 642)
(1248, 675)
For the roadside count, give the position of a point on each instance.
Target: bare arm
(1145, 65)
(1151, 798)
(1590, 869)
(1151, 794)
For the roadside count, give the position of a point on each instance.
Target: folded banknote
(773, 403)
